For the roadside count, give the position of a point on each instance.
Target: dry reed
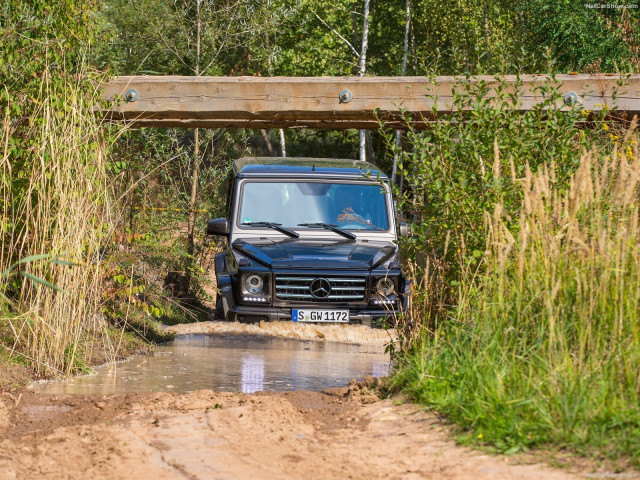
(55, 206)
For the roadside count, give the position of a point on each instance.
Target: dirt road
(337, 434)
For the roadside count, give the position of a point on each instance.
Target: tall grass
(544, 346)
(55, 202)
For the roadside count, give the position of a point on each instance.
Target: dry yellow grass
(56, 206)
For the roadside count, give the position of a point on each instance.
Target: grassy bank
(16, 371)
(543, 345)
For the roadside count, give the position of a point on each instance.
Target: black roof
(308, 167)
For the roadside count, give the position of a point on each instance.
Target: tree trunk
(283, 143)
(407, 26)
(363, 67)
(486, 32)
(265, 137)
(131, 200)
(404, 72)
(354, 25)
(194, 191)
(371, 155)
(191, 224)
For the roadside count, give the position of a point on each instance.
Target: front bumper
(251, 314)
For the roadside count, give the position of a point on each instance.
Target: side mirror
(219, 226)
(405, 229)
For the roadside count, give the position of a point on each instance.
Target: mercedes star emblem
(320, 288)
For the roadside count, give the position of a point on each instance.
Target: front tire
(218, 313)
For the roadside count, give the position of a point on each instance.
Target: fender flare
(224, 284)
(219, 263)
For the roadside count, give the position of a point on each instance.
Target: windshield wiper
(275, 226)
(328, 226)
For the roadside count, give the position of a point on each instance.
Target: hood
(296, 253)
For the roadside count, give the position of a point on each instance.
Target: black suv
(308, 240)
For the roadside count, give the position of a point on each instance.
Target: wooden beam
(313, 102)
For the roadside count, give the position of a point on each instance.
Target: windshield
(348, 206)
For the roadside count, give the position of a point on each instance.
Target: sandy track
(339, 434)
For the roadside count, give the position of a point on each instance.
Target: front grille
(297, 287)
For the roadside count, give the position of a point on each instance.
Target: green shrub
(466, 161)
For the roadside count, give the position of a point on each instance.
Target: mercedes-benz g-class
(308, 240)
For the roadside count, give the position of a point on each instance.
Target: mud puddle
(231, 363)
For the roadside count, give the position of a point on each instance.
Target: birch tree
(283, 144)
(363, 68)
(360, 55)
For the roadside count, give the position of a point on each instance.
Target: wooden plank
(313, 102)
(244, 123)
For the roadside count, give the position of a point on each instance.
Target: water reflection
(233, 363)
(252, 374)
(380, 369)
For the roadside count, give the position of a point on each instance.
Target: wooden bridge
(333, 102)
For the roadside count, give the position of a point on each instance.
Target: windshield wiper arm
(275, 226)
(328, 226)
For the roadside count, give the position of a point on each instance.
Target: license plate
(326, 316)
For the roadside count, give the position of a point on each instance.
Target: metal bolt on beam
(570, 98)
(345, 96)
(131, 95)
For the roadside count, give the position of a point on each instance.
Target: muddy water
(232, 363)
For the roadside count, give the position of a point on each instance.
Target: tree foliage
(578, 36)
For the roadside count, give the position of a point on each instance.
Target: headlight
(385, 286)
(254, 284)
